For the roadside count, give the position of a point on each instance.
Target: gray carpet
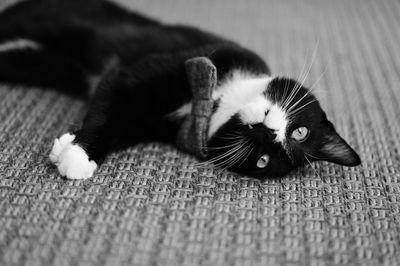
(151, 205)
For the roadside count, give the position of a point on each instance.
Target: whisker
(298, 101)
(292, 95)
(319, 78)
(301, 107)
(249, 151)
(237, 156)
(298, 86)
(312, 156)
(285, 92)
(224, 147)
(312, 166)
(229, 160)
(221, 156)
(314, 55)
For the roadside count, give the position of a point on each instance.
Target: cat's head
(270, 126)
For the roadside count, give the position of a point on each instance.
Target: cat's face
(275, 127)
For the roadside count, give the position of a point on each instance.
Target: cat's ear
(336, 150)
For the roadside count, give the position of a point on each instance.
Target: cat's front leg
(71, 159)
(78, 154)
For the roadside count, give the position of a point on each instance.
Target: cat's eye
(300, 133)
(263, 161)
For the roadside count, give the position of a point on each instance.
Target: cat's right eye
(300, 133)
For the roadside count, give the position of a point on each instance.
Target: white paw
(70, 159)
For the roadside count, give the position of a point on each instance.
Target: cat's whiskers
(312, 90)
(249, 151)
(312, 166)
(301, 107)
(230, 137)
(291, 96)
(312, 87)
(285, 91)
(293, 93)
(236, 147)
(238, 156)
(298, 101)
(314, 56)
(222, 147)
(226, 163)
(317, 158)
(298, 86)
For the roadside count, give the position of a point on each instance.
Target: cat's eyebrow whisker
(318, 79)
(224, 147)
(298, 101)
(293, 93)
(285, 92)
(301, 107)
(314, 56)
(291, 96)
(298, 86)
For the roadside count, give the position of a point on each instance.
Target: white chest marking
(19, 44)
(243, 94)
(239, 95)
(277, 120)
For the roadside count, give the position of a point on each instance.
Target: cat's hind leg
(23, 61)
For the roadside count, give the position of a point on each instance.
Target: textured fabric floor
(151, 205)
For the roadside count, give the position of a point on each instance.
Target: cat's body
(132, 68)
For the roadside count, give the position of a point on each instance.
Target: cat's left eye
(263, 161)
(300, 133)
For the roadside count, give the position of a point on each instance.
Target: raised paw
(71, 160)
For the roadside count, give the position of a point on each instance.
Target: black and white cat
(132, 67)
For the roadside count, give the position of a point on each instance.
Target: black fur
(148, 81)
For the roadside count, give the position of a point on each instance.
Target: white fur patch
(19, 44)
(277, 120)
(239, 94)
(71, 160)
(243, 94)
(181, 111)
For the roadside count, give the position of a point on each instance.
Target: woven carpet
(151, 204)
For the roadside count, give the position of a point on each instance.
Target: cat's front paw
(71, 160)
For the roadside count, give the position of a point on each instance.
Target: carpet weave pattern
(151, 204)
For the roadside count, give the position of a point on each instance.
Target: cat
(131, 70)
